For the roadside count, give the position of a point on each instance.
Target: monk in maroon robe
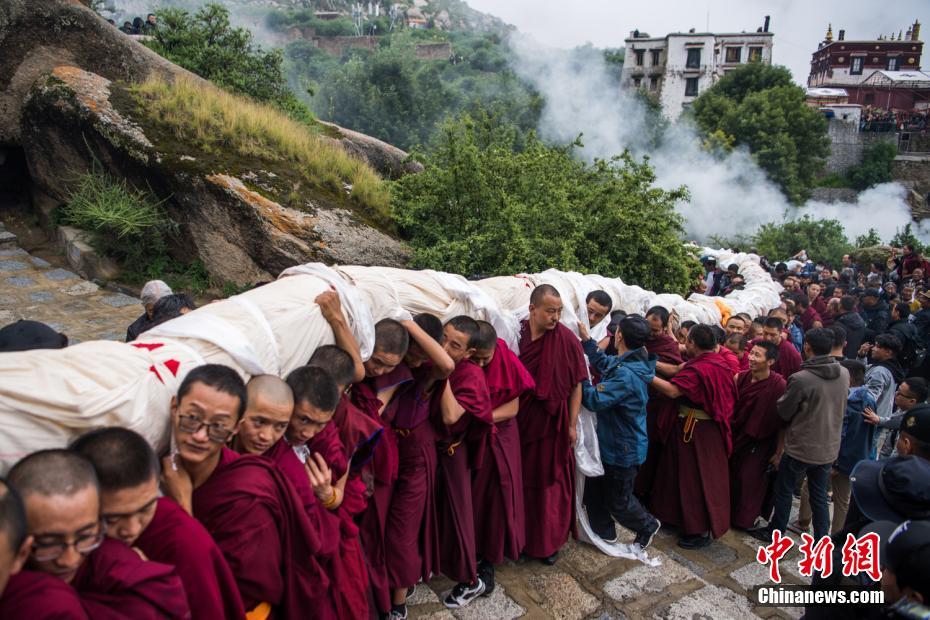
(411, 531)
(789, 360)
(127, 469)
(755, 427)
(667, 349)
(61, 496)
(547, 421)
(246, 503)
(463, 418)
(692, 489)
(30, 594)
(497, 487)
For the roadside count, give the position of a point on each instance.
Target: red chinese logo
(817, 557)
(860, 555)
(773, 553)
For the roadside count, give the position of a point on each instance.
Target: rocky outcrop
(38, 35)
(69, 123)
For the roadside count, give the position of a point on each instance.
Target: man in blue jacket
(619, 400)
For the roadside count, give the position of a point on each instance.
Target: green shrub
(876, 165)
(824, 240)
(125, 223)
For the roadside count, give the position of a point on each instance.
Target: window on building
(653, 83)
(637, 82)
(733, 54)
(893, 63)
(694, 59)
(656, 56)
(856, 68)
(691, 87)
(755, 54)
(640, 54)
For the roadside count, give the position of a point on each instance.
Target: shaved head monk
(756, 427)
(128, 471)
(598, 305)
(547, 420)
(245, 502)
(411, 536)
(462, 415)
(267, 414)
(692, 489)
(26, 593)
(497, 486)
(62, 500)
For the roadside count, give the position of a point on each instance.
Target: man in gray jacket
(882, 377)
(813, 406)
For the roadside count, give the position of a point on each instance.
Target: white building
(680, 66)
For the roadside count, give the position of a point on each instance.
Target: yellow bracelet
(331, 501)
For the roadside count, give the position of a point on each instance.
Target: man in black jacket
(852, 323)
(875, 314)
(906, 332)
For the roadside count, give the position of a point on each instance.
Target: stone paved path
(711, 583)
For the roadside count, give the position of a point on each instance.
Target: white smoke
(730, 197)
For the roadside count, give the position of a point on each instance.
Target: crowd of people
(879, 119)
(138, 25)
(333, 491)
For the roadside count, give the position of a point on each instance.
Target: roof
(827, 92)
(899, 79)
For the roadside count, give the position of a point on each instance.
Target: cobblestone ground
(710, 583)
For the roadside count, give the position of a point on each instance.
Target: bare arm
(451, 410)
(331, 310)
(507, 410)
(666, 388)
(574, 408)
(667, 370)
(442, 363)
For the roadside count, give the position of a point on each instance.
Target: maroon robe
(383, 469)
(411, 533)
(788, 361)
(462, 448)
(820, 306)
(665, 347)
(557, 364)
(39, 596)
(175, 538)
(497, 487)
(755, 426)
(809, 317)
(259, 523)
(692, 487)
(114, 582)
(729, 358)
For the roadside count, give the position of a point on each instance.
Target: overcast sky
(798, 24)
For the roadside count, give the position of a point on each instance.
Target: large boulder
(69, 125)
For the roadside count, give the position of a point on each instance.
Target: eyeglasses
(216, 432)
(46, 552)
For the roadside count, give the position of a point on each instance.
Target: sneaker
(486, 574)
(694, 541)
(797, 528)
(399, 612)
(763, 533)
(644, 539)
(463, 594)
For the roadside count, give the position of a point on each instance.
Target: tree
(205, 43)
(824, 240)
(482, 206)
(758, 106)
(869, 239)
(906, 236)
(875, 168)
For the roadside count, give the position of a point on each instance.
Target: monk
(411, 532)
(267, 415)
(62, 499)
(14, 542)
(736, 325)
(736, 344)
(547, 420)
(127, 470)
(463, 417)
(789, 360)
(756, 428)
(497, 486)
(692, 489)
(349, 439)
(598, 304)
(249, 507)
(668, 351)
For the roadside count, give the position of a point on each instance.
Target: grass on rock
(218, 122)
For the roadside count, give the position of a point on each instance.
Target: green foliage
(205, 43)
(906, 236)
(869, 239)
(824, 240)
(834, 180)
(758, 106)
(489, 203)
(125, 223)
(390, 94)
(875, 167)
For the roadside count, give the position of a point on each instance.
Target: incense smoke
(730, 197)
